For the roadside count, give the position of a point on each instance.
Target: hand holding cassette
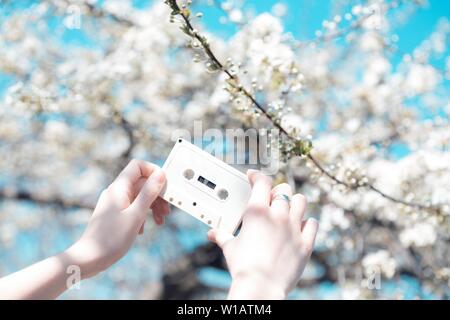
(268, 256)
(265, 259)
(274, 244)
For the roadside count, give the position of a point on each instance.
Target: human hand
(274, 244)
(119, 216)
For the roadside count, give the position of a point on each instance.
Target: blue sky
(305, 17)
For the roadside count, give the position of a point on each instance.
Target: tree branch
(22, 195)
(180, 280)
(206, 47)
(189, 29)
(129, 131)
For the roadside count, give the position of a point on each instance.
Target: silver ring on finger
(282, 196)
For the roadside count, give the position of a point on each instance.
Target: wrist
(256, 286)
(82, 256)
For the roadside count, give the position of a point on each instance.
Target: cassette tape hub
(205, 187)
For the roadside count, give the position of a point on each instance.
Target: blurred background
(87, 85)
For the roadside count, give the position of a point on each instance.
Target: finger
(159, 220)
(261, 187)
(124, 186)
(136, 169)
(135, 189)
(303, 225)
(138, 186)
(298, 208)
(158, 212)
(162, 205)
(165, 206)
(141, 230)
(280, 206)
(219, 237)
(309, 233)
(149, 192)
(164, 210)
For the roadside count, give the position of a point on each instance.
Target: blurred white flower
(371, 41)
(333, 216)
(421, 234)
(421, 79)
(279, 9)
(377, 68)
(7, 233)
(236, 15)
(296, 122)
(265, 24)
(56, 131)
(381, 260)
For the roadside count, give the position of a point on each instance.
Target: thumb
(219, 237)
(252, 175)
(149, 192)
(309, 232)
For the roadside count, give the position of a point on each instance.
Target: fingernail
(251, 171)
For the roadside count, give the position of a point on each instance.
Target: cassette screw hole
(188, 174)
(194, 204)
(222, 194)
(170, 199)
(202, 216)
(179, 140)
(209, 221)
(179, 203)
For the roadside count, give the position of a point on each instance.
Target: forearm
(254, 287)
(46, 279)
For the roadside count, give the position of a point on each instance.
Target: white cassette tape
(205, 187)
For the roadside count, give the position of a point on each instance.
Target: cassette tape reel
(205, 187)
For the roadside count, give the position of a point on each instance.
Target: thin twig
(338, 34)
(353, 26)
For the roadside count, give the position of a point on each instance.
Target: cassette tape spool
(205, 187)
